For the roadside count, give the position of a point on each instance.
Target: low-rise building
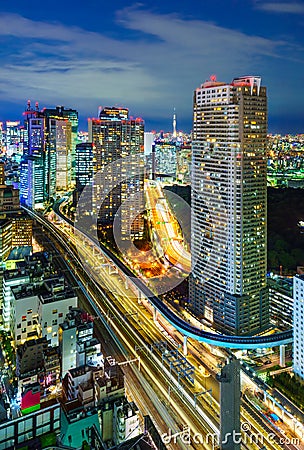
(16, 432)
(125, 421)
(75, 377)
(24, 320)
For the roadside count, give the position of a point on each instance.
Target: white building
(298, 325)
(12, 137)
(229, 200)
(63, 155)
(281, 302)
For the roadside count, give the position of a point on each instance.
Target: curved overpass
(219, 340)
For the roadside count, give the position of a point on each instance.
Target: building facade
(12, 137)
(229, 201)
(164, 160)
(298, 325)
(5, 239)
(48, 162)
(281, 302)
(22, 231)
(84, 164)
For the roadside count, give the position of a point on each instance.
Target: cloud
(150, 73)
(281, 7)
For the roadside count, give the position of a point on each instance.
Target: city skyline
(150, 58)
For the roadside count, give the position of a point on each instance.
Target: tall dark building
(116, 137)
(47, 164)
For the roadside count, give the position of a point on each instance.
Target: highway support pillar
(185, 346)
(230, 388)
(154, 314)
(282, 356)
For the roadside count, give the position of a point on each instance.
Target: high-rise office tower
(84, 164)
(229, 201)
(115, 136)
(61, 139)
(230, 419)
(12, 137)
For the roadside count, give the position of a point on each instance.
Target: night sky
(149, 56)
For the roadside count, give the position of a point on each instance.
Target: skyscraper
(2, 136)
(229, 201)
(298, 332)
(116, 137)
(84, 164)
(32, 166)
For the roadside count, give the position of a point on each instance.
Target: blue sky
(149, 56)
